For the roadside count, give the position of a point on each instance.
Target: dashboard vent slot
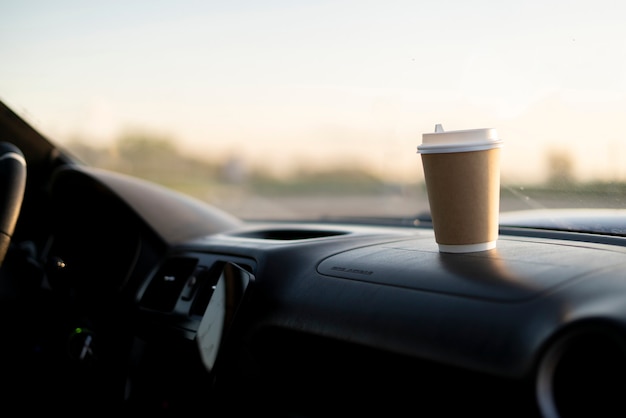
(289, 234)
(167, 284)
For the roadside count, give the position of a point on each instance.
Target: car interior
(122, 296)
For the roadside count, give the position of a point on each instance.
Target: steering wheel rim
(12, 187)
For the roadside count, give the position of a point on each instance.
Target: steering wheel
(12, 186)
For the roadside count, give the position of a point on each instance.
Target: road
(392, 205)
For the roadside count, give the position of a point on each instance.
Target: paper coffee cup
(462, 175)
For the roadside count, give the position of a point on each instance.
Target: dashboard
(174, 306)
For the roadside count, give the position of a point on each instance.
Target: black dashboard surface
(355, 300)
(312, 318)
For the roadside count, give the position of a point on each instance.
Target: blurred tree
(145, 146)
(560, 168)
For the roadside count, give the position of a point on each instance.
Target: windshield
(291, 109)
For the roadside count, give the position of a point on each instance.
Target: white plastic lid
(459, 141)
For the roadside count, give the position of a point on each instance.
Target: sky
(289, 84)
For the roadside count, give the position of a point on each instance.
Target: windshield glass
(291, 109)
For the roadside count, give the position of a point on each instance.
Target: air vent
(167, 284)
(289, 234)
(584, 374)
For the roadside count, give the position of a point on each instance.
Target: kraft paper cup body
(462, 175)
